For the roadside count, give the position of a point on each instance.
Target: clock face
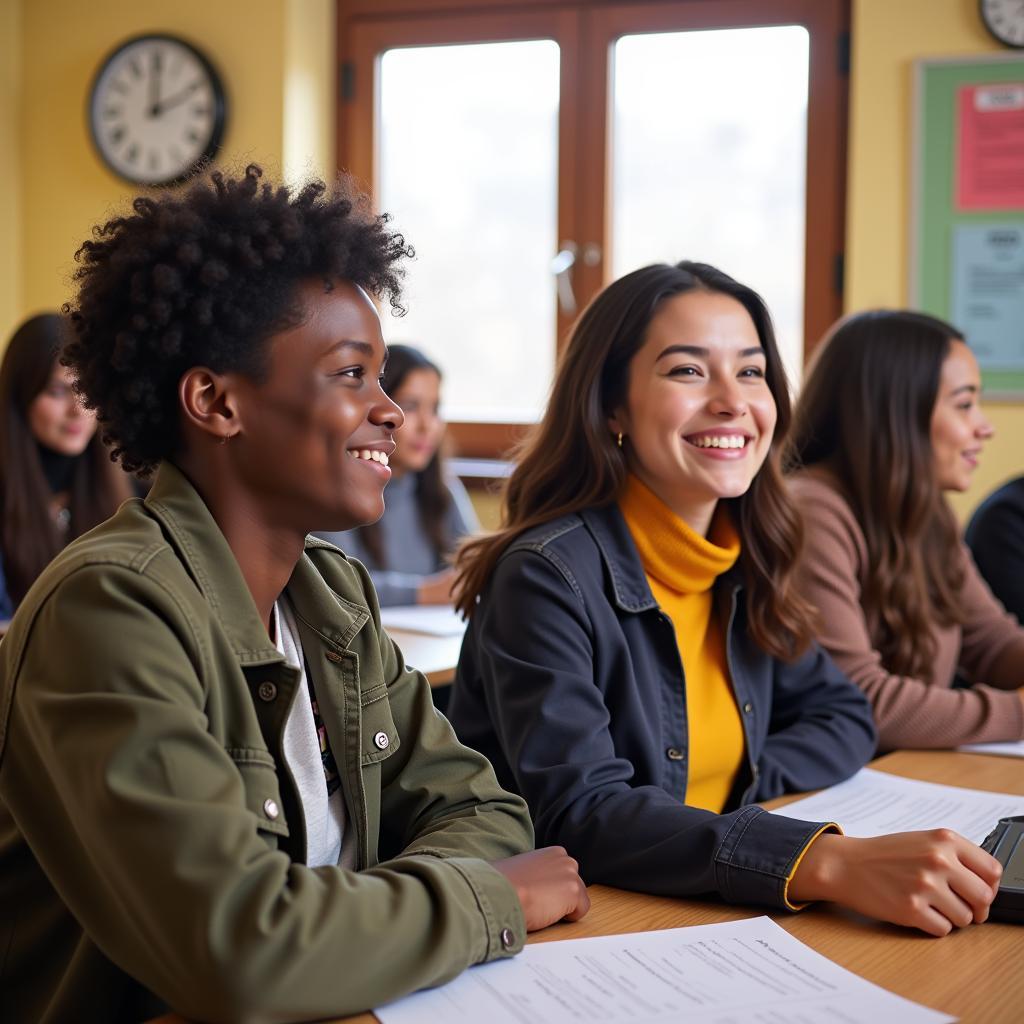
(1004, 19)
(157, 110)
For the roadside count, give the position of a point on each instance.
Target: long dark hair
(571, 462)
(29, 536)
(433, 498)
(865, 412)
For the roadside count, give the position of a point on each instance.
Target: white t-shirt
(323, 813)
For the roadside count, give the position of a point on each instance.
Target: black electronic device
(1006, 843)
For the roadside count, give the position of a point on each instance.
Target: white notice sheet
(744, 971)
(430, 619)
(1002, 749)
(875, 803)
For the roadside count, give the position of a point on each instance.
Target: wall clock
(1004, 19)
(157, 110)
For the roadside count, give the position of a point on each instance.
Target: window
(534, 152)
(468, 144)
(709, 164)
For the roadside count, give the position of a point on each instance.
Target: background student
(56, 477)
(888, 420)
(427, 511)
(638, 661)
(995, 536)
(221, 790)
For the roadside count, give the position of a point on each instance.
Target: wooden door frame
(825, 176)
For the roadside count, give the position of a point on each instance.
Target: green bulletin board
(968, 258)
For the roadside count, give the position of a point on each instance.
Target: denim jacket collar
(632, 592)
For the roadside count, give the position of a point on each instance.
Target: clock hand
(176, 99)
(154, 84)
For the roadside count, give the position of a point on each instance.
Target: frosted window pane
(709, 143)
(468, 140)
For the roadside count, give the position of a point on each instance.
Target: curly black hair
(205, 278)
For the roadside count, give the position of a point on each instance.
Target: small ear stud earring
(618, 439)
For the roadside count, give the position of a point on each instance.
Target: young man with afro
(222, 791)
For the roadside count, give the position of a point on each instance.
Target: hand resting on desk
(548, 885)
(934, 880)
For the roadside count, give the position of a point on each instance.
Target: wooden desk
(953, 974)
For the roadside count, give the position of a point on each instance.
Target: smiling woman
(887, 422)
(212, 758)
(638, 662)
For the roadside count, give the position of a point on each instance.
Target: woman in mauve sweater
(889, 420)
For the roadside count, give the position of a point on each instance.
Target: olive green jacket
(151, 842)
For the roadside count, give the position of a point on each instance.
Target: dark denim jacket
(570, 682)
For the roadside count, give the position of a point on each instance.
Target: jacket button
(381, 741)
(270, 809)
(748, 708)
(266, 692)
(508, 938)
(675, 754)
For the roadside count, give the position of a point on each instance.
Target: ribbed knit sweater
(681, 567)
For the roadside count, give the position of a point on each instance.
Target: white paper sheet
(743, 971)
(1002, 749)
(875, 803)
(433, 620)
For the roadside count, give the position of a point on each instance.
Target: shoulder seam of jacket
(540, 547)
(554, 532)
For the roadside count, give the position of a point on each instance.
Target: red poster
(990, 153)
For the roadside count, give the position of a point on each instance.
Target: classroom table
(974, 973)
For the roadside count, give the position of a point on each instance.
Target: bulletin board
(967, 217)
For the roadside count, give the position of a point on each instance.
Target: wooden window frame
(585, 32)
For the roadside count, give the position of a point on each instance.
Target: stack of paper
(751, 971)
(875, 803)
(432, 620)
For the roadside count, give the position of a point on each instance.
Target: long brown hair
(433, 499)
(28, 534)
(865, 413)
(570, 461)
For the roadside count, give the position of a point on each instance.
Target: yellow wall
(310, 91)
(888, 36)
(266, 52)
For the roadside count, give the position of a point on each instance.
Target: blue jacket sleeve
(533, 655)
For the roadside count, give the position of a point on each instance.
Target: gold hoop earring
(618, 439)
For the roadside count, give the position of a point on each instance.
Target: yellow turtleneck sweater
(681, 567)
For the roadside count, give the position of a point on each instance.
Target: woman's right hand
(934, 880)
